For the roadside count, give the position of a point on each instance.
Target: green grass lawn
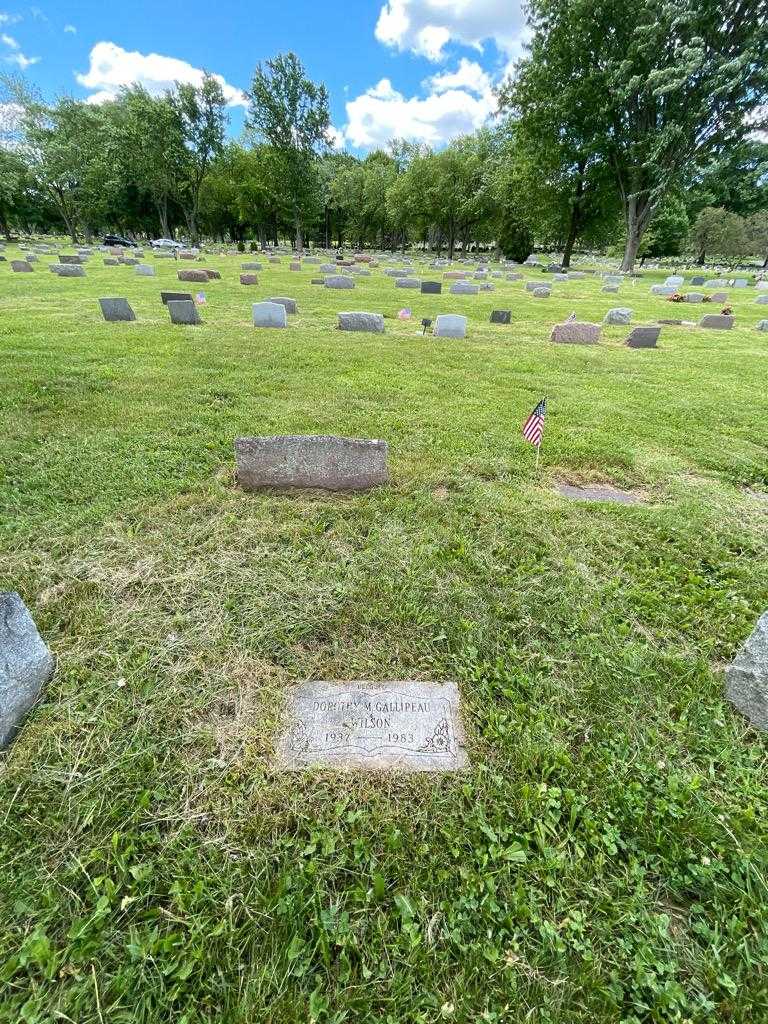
(604, 859)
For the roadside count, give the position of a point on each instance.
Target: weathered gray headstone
(610, 289)
(643, 337)
(762, 325)
(68, 270)
(746, 677)
(464, 288)
(269, 314)
(740, 282)
(431, 288)
(694, 296)
(290, 304)
(183, 312)
(372, 323)
(329, 463)
(762, 300)
(26, 664)
(531, 286)
(407, 282)
(115, 310)
(718, 297)
(339, 283)
(21, 267)
(674, 280)
(501, 316)
(619, 315)
(716, 321)
(698, 280)
(73, 260)
(396, 273)
(250, 266)
(455, 275)
(542, 292)
(716, 282)
(249, 279)
(110, 261)
(200, 276)
(213, 275)
(575, 333)
(663, 289)
(415, 726)
(166, 297)
(450, 325)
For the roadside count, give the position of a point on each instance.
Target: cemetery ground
(605, 855)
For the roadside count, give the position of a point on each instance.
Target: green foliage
(515, 238)
(668, 231)
(718, 233)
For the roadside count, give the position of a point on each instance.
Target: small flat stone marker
(115, 310)
(373, 726)
(26, 664)
(311, 461)
(501, 316)
(746, 678)
(598, 492)
(618, 315)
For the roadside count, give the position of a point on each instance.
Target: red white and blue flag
(533, 428)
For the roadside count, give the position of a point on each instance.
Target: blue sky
(423, 69)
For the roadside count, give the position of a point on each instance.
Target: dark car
(119, 240)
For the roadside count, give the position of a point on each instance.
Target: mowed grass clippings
(605, 857)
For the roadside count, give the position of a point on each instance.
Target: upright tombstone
(761, 300)
(269, 314)
(740, 282)
(407, 282)
(144, 270)
(694, 296)
(542, 292)
(249, 279)
(68, 270)
(115, 310)
(643, 337)
(71, 260)
(298, 462)
(344, 283)
(290, 304)
(375, 726)
(199, 276)
(450, 325)
(431, 288)
(166, 297)
(370, 323)
(21, 267)
(501, 316)
(698, 280)
(464, 288)
(762, 325)
(620, 315)
(26, 664)
(250, 266)
(674, 280)
(183, 312)
(575, 333)
(663, 289)
(747, 676)
(717, 321)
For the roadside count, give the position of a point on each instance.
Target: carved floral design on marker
(299, 738)
(440, 740)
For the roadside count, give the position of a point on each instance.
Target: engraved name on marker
(374, 725)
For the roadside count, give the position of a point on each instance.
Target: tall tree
(676, 82)
(201, 111)
(717, 232)
(290, 112)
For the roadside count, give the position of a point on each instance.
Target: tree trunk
(451, 243)
(161, 205)
(638, 213)
(702, 258)
(573, 232)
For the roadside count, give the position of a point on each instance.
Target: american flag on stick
(533, 428)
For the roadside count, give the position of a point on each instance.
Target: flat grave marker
(373, 726)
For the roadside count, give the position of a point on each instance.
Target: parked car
(119, 240)
(165, 243)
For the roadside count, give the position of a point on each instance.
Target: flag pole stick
(538, 453)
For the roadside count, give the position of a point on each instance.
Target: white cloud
(113, 67)
(71, 29)
(468, 75)
(22, 61)
(427, 26)
(381, 113)
(9, 19)
(9, 41)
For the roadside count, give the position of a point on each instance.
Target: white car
(165, 243)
